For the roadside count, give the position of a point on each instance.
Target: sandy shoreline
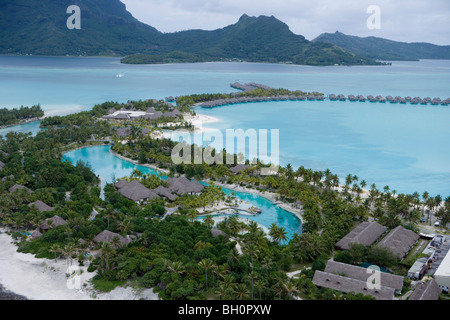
(43, 279)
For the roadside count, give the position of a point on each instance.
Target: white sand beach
(43, 279)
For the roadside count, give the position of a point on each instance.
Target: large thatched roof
(135, 191)
(365, 233)
(108, 236)
(347, 285)
(358, 273)
(182, 186)
(19, 187)
(239, 168)
(165, 192)
(426, 291)
(399, 241)
(56, 221)
(41, 206)
(216, 233)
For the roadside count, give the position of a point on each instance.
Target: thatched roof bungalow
(239, 168)
(135, 191)
(35, 235)
(19, 187)
(217, 233)
(166, 193)
(362, 274)
(41, 206)
(365, 233)
(348, 285)
(2, 165)
(426, 291)
(182, 186)
(51, 223)
(108, 237)
(399, 241)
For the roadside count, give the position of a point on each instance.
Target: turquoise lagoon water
(109, 167)
(403, 146)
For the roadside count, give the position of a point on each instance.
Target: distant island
(12, 117)
(383, 49)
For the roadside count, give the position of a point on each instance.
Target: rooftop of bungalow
(51, 223)
(41, 206)
(19, 187)
(182, 186)
(426, 291)
(362, 274)
(348, 285)
(135, 191)
(239, 168)
(108, 237)
(399, 241)
(2, 165)
(365, 233)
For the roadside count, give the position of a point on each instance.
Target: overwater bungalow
(380, 99)
(361, 98)
(352, 98)
(408, 98)
(371, 98)
(332, 97)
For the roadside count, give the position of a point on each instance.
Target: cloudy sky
(401, 20)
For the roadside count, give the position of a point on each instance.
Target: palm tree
(253, 276)
(124, 226)
(109, 213)
(56, 248)
(107, 251)
(290, 288)
(241, 291)
(209, 221)
(277, 233)
(206, 264)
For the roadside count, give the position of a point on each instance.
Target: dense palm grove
(17, 116)
(180, 256)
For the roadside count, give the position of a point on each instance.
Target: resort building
(348, 278)
(366, 234)
(151, 114)
(135, 191)
(51, 223)
(348, 285)
(108, 237)
(239, 168)
(41, 206)
(19, 187)
(399, 241)
(426, 291)
(442, 275)
(182, 186)
(165, 193)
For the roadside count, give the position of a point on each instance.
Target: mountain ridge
(107, 28)
(385, 49)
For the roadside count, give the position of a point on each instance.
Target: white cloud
(401, 20)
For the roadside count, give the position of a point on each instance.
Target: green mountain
(39, 27)
(383, 49)
(107, 28)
